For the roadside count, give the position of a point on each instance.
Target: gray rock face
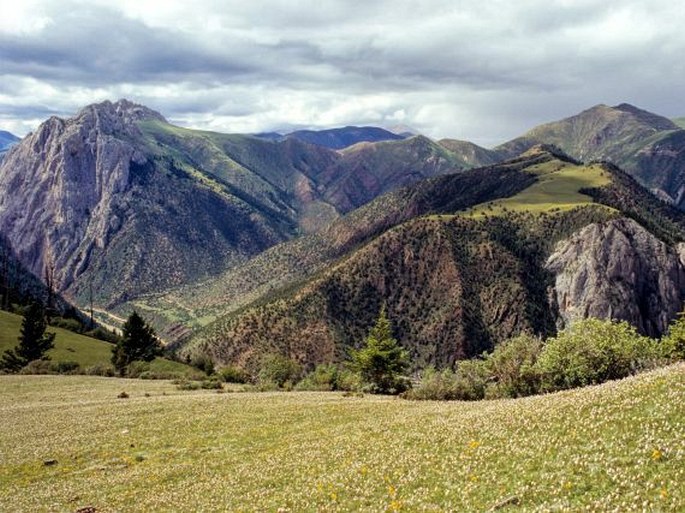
(74, 170)
(618, 270)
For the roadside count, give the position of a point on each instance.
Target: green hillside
(72, 347)
(614, 447)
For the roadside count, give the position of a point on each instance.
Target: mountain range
(238, 245)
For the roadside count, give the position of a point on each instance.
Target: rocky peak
(653, 120)
(618, 270)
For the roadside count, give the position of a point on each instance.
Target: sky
(484, 71)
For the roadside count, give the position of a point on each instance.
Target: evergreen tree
(138, 342)
(382, 361)
(34, 343)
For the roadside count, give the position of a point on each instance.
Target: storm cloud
(478, 70)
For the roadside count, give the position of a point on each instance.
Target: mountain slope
(649, 147)
(339, 138)
(455, 285)
(122, 202)
(86, 196)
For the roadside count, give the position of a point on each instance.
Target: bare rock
(618, 270)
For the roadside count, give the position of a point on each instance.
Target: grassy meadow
(558, 187)
(614, 447)
(70, 346)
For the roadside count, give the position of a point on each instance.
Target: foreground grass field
(69, 442)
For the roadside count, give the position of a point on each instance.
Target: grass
(86, 351)
(557, 189)
(615, 447)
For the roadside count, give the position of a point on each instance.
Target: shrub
(348, 380)
(37, 367)
(67, 324)
(673, 344)
(467, 383)
(592, 351)
(184, 384)
(511, 368)
(100, 369)
(211, 384)
(279, 370)
(233, 374)
(66, 367)
(136, 368)
(322, 379)
(203, 362)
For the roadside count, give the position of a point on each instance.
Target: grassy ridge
(70, 346)
(615, 447)
(558, 188)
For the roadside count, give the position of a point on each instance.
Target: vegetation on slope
(617, 446)
(86, 352)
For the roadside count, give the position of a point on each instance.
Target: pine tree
(34, 343)
(138, 342)
(382, 360)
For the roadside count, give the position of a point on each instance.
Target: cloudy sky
(478, 70)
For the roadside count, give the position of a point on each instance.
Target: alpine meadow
(314, 257)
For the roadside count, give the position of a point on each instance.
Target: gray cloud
(483, 71)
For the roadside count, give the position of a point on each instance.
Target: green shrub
(67, 324)
(279, 370)
(136, 368)
(211, 384)
(511, 368)
(100, 369)
(38, 367)
(66, 367)
(323, 378)
(348, 380)
(673, 344)
(203, 362)
(233, 374)
(434, 385)
(184, 384)
(592, 351)
(467, 383)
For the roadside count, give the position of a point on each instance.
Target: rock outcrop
(618, 270)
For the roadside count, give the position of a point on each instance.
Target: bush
(348, 380)
(67, 324)
(100, 369)
(203, 362)
(323, 378)
(211, 384)
(511, 368)
(37, 367)
(136, 368)
(279, 370)
(184, 384)
(467, 383)
(592, 351)
(66, 367)
(104, 335)
(232, 374)
(673, 344)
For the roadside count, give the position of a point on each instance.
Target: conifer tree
(138, 342)
(34, 343)
(382, 360)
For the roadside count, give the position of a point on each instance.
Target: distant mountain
(462, 262)
(471, 154)
(126, 203)
(649, 147)
(7, 140)
(339, 138)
